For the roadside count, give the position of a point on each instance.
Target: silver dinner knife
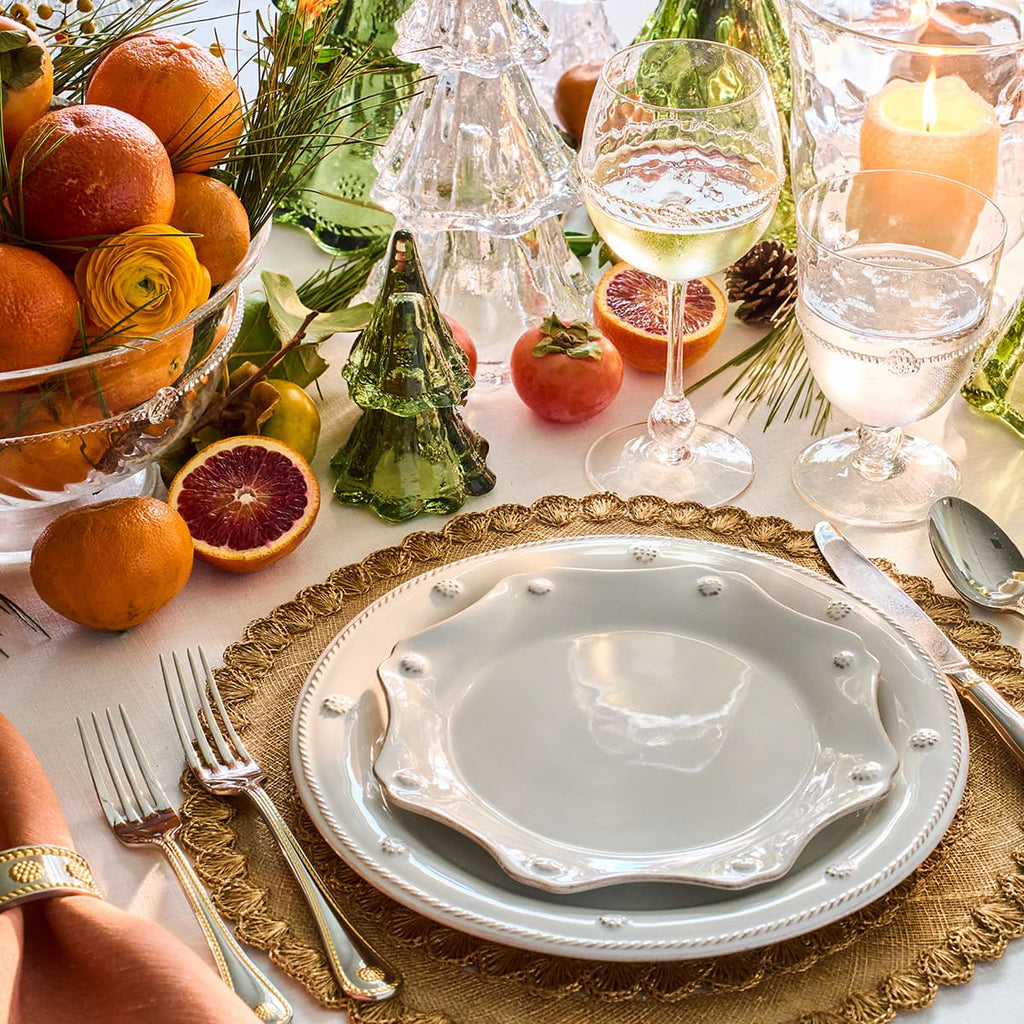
(866, 580)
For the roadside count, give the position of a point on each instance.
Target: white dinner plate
(440, 873)
(592, 727)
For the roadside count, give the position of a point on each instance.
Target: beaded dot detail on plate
(644, 552)
(413, 664)
(540, 586)
(924, 738)
(866, 771)
(709, 586)
(840, 869)
(836, 610)
(448, 588)
(337, 704)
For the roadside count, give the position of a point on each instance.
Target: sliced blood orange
(248, 501)
(631, 311)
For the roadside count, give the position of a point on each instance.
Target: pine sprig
(774, 372)
(291, 122)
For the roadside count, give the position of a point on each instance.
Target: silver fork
(360, 970)
(143, 816)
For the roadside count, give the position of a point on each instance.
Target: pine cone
(762, 281)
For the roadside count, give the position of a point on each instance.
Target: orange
(572, 97)
(631, 311)
(132, 377)
(89, 171)
(184, 93)
(22, 106)
(210, 211)
(50, 459)
(248, 501)
(113, 564)
(39, 310)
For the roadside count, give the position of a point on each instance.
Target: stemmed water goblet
(681, 167)
(895, 278)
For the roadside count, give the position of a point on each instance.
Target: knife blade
(867, 581)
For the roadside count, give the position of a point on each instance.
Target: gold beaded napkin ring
(34, 872)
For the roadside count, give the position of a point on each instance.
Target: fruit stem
(214, 413)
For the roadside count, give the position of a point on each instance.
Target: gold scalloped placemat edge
(962, 906)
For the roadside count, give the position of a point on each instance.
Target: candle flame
(929, 110)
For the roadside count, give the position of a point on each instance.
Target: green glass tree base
(401, 466)
(997, 384)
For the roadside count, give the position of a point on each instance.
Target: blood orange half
(631, 311)
(248, 501)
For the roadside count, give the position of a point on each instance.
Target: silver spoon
(978, 558)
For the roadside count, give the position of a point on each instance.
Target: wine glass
(895, 274)
(681, 166)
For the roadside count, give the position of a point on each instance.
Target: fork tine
(212, 728)
(218, 700)
(114, 816)
(179, 722)
(129, 773)
(130, 810)
(190, 710)
(155, 789)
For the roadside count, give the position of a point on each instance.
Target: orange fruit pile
(248, 501)
(631, 311)
(90, 178)
(113, 564)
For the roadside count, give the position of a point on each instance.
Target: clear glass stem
(878, 454)
(672, 421)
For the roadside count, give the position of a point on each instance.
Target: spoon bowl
(979, 559)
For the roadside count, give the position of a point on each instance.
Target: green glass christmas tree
(410, 451)
(755, 27)
(334, 203)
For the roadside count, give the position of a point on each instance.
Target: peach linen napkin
(76, 959)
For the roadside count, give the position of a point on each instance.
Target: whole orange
(22, 106)
(209, 210)
(86, 172)
(184, 93)
(572, 97)
(39, 310)
(113, 564)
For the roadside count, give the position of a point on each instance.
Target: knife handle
(1002, 716)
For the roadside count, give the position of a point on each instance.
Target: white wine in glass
(681, 165)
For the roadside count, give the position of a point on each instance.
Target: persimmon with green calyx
(26, 79)
(565, 372)
(294, 418)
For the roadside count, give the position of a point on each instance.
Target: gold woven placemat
(963, 905)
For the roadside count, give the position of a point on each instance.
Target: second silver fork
(360, 970)
(141, 814)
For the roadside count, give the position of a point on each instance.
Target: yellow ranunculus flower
(142, 281)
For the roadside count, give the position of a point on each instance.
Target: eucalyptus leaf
(288, 313)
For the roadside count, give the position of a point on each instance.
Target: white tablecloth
(46, 683)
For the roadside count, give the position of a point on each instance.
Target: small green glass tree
(410, 451)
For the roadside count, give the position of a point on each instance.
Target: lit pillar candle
(941, 127)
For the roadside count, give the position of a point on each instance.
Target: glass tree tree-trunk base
(716, 467)
(826, 475)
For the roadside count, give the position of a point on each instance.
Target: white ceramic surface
(599, 726)
(442, 874)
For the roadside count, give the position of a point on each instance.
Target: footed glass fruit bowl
(94, 426)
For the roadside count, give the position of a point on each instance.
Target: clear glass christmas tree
(477, 170)
(579, 33)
